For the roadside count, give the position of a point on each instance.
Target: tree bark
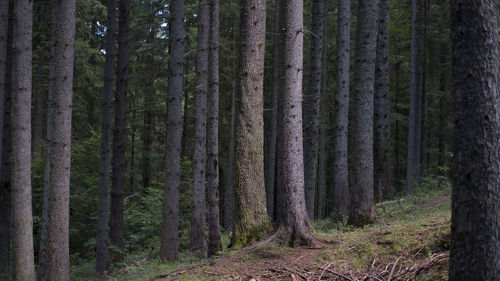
(312, 106)
(120, 131)
(382, 185)
(107, 125)
(198, 241)
(22, 221)
(475, 224)
(361, 127)
(252, 220)
(294, 228)
(341, 114)
(170, 230)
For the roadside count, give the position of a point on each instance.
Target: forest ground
(409, 241)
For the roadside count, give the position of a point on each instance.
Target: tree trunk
(149, 93)
(415, 114)
(60, 144)
(361, 127)
(252, 220)
(273, 126)
(120, 132)
(214, 242)
(442, 112)
(170, 229)
(382, 185)
(475, 223)
(107, 125)
(341, 114)
(198, 241)
(294, 228)
(22, 232)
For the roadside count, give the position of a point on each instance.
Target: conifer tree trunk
(252, 220)
(120, 131)
(107, 125)
(60, 144)
(341, 113)
(312, 106)
(198, 241)
(214, 242)
(475, 223)
(170, 230)
(22, 221)
(294, 228)
(382, 186)
(4, 24)
(361, 126)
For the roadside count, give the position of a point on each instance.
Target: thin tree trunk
(475, 223)
(442, 112)
(147, 138)
(252, 220)
(37, 121)
(198, 237)
(214, 242)
(170, 229)
(361, 127)
(312, 106)
(22, 233)
(107, 125)
(120, 132)
(273, 126)
(4, 24)
(60, 144)
(294, 228)
(341, 114)
(382, 185)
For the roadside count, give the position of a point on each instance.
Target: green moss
(244, 237)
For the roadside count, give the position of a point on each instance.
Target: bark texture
(341, 113)
(22, 221)
(169, 248)
(229, 204)
(60, 144)
(382, 185)
(198, 237)
(475, 223)
(120, 131)
(294, 228)
(361, 126)
(252, 220)
(107, 126)
(4, 28)
(312, 106)
(214, 242)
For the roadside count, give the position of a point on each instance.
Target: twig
(298, 259)
(323, 272)
(392, 270)
(336, 273)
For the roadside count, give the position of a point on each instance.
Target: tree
(198, 241)
(214, 242)
(382, 185)
(475, 243)
(170, 230)
(294, 228)
(252, 220)
(312, 106)
(22, 232)
(361, 125)
(341, 112)
(107, 125)
(120, 131)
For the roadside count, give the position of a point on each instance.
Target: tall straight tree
(252, 220)
(120, 131)
(312, 106)
(4, 24)
(22, 231)
(294, 227)
(415, 114)
(361, 126)
(382, 185)
(475, 223)
(214, 242)
(198, 241)
(107, 126)
(60, 145)
(341, 112)
(170, 230)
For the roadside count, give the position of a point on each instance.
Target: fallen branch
(389, 202)
(336, 273)
(392, 270)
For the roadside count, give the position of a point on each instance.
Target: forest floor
(409, 241)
